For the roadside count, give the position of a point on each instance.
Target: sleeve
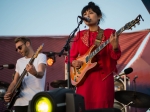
(74, 51)
(17, 69)
(114, 54)
(42, 58)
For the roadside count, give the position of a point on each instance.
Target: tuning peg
(141, 18)
(138, 23)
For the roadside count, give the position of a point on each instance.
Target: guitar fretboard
(23, 74)
(98, 49)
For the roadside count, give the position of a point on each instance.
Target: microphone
(126, 71)
(85, 19)
(9, 66)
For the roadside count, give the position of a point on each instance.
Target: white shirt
(30, 84)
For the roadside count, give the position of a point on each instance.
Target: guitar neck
(22, 75)
(98, 49)
(121, 30)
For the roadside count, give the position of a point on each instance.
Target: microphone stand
(134, 95)
(134, 84)
(67, 48)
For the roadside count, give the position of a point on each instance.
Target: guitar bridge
(75, 79)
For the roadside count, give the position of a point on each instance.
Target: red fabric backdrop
(130, 43)
(8, 55)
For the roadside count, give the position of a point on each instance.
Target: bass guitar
(17, 88)
(79, 75)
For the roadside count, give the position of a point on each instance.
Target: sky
(59, 17)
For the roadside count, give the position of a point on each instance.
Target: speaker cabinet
(105, 110)
(29, 106)
(74, 103)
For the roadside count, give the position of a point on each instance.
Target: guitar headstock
(130, 24)
(38, 51)
(133, 22)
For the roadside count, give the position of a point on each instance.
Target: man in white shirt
(34, 81)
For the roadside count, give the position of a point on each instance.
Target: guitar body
(79, 75)
(14, 97)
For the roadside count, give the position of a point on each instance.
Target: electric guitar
(79, 75)
(17, 88)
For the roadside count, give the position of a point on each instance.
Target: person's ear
(27, 44)
(99, 17)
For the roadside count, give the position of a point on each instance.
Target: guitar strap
(99, 37)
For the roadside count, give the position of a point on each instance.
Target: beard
(26, 52)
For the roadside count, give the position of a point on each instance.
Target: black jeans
(21, 108)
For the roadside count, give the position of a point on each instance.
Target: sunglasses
(19, 47)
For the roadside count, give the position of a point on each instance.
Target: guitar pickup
(78, 71)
